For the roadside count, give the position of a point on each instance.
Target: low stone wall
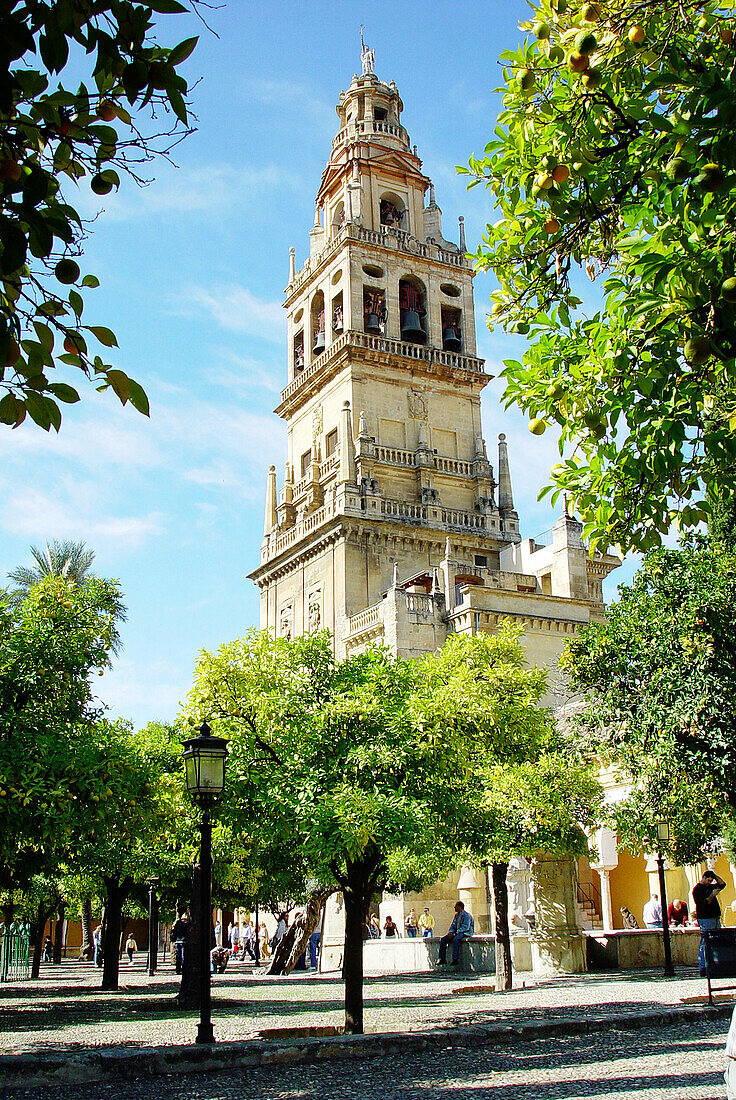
(640, 949)
(413, 956)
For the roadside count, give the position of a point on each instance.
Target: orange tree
(369, 770)
(614, 155)
(57, 134)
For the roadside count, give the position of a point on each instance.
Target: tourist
(178, 938)
(707, 909)
(249, 936)
(48, 950)
(97, 945)
(677, 913)
(411, 924)
(426, 923)
(219, 958)
(283, 924)
(218, 933)
(462, 927)
(263, 941)
(234, 939)
(130, 947)
(390, 929)
(375, 927)
(652, 913)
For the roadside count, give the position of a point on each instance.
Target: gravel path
(676, 1063)
(66, 1010)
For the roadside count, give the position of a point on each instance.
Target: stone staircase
(590, 918)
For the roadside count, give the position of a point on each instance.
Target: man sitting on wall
(461, 928)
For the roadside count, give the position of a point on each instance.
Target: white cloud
(174, 191)
(37, 514)
(235, 308)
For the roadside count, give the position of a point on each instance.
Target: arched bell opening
(452, 336)
(393, 211)
(299, 351)
(318, 323)
(338, 219)
(374, 310)
(337, 314)
(413, 311)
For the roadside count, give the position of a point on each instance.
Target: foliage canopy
(614, 154)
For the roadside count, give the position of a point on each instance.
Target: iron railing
(15, 942)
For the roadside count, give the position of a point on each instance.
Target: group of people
(422, 925)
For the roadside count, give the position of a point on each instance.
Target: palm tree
(70, 560)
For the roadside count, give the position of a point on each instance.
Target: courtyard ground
(583, 1036)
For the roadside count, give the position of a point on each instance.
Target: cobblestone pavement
(66, 1010)
(674, 1063)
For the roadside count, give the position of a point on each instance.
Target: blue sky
(193, 268)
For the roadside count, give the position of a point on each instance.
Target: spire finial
(461, 220)
(367, 56)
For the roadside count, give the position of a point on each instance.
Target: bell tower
(388, 503)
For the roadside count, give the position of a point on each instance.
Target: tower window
(337, 316)
(318, 323)
(374, 310)
(393, 212)
(306, 462)
(451, 330)
(380, 114)
(413, 311)
(299, 351)
(331, 442)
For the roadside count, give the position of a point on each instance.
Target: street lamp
(152, 925)
(204, 763)
(663, 836)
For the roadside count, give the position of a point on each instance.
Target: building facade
(391, 522)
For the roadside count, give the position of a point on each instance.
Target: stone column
(606, 902)
(558, 945)
(472, 893)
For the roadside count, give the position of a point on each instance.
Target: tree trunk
(59, 936)
(37, 927)
(504, 977)
(296, 940)
(188, 995)
(352, 966)
(86, 950)
(115, 894)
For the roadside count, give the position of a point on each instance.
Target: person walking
(263, 940)
(426, 924)
(97, 945)
(179, 938)
(234, 937)
(248, 938)
(462, 927)
(48, 950)
(707, 910)
(130, 946)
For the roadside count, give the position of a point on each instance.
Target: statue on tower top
(367, 56)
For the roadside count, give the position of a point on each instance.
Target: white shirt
(731, 1040)
(652, 912)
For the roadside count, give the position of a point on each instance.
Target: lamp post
(204, 762)
(152, 925)
(663, 836)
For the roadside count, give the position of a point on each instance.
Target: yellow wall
(629, 887)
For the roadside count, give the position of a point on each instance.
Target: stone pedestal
(557, 942)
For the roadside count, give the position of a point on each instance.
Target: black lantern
(204, 761)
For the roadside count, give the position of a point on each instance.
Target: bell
(411, 328)
(450, 339)
(372, 324)
(319, 343)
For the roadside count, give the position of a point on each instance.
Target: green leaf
(138, 399)
(167, 7)
(120, 383)
(182, 51)
(76, 302)
(178, 105)
(91, 281)
(105, 335)
(65, 393)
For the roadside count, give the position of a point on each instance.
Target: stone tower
(390, 524)
(386, 455)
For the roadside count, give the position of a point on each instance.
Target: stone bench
(640, 948)
(412, 956)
